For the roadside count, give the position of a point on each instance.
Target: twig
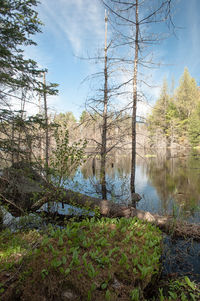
(11, 203)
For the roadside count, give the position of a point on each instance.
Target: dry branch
(109, 209)
(11, 203)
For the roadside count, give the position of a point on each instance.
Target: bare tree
(105, 116)
(137, 15)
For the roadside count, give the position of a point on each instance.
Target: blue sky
(75, 28)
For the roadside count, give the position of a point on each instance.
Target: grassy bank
(104, 259)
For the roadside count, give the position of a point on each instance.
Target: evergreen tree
(19, 21)
(67, 118)
(194, 127)
(172, 121)
(19, 77)
(160, 119)
(187, 96)
(176, 117)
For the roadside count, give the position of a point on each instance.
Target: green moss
(105, 259)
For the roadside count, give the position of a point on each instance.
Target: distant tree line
(89, 127)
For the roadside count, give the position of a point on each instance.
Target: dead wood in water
(18, 185)
(109, 209)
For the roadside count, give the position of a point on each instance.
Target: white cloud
(81, 22)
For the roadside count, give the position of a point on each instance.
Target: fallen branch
(110, 209)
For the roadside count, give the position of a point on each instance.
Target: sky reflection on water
(169, 186)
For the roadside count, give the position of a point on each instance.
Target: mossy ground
(96, 259)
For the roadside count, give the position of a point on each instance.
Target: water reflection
(177, 183)
(167, 185)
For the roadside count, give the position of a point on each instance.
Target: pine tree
(194, 127)
(19, 77)
(19, 21)
(160, 119)
(176, 117)
(187, 96)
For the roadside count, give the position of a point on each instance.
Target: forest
(176, 116)
(105, 207)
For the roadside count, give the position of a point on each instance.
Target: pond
(167, 185)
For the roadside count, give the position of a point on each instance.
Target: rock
(69, 295)
(116, 284)
(7, 217)
(31, 221)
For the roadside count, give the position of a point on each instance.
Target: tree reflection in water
(167, 185)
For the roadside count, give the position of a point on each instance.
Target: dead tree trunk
(134, 108)
(104, 126)
(110, 209)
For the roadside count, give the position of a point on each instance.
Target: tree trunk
(47, 126)
(20, 128)
(40, 144)
(12, 141)
(104, 126)
(111, 209)
(134, 109)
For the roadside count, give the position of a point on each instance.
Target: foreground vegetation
(102, 259)
(96, 259)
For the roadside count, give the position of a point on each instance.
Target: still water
(167, 185)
